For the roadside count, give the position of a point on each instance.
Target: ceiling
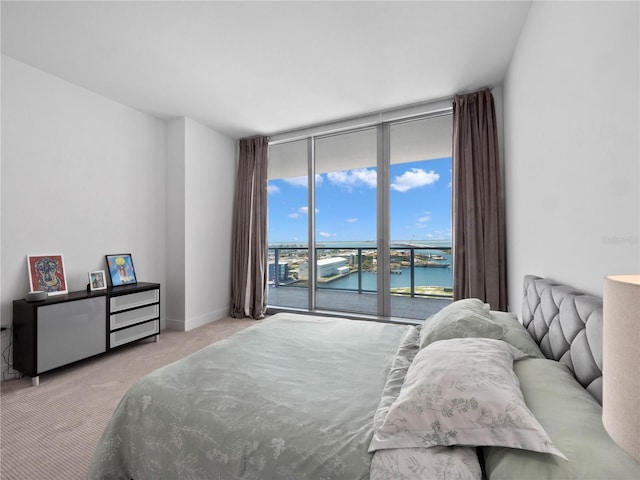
(246, 68)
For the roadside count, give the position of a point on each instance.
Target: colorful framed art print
(47, 274)
(121, 269)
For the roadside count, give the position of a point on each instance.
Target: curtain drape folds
(479, 239)
(249, 231)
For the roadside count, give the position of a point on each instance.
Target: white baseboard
(172, 324)
(209, 317)
(199, 321)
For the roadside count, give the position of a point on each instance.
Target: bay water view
(424, 276)
(432, 267)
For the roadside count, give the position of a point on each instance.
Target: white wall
(571, 99)
(85, 176)
(81, 175)
(200, 186)
(175, 195)
(210, 187)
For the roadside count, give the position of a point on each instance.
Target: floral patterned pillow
(462, 392)
(435, 463)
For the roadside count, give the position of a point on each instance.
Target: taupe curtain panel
(249, 236)
(479, 251)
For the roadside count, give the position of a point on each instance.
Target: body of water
(424, 276)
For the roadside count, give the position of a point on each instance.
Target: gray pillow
(573, 420)
(515, 333)
(467, 318)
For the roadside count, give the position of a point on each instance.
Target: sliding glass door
(360, 220)
(421, 279)
(346, 221)
(288, 224)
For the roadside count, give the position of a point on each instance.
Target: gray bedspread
(292, 397)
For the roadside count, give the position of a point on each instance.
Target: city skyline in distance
(420, 205)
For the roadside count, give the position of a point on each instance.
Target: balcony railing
(361, 262)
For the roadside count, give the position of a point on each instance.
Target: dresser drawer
(132, 300)
(131, 317)
(136, 332)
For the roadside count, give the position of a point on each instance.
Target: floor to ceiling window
(346, 221)
(420, 216)
(288, 224)
(360, 219)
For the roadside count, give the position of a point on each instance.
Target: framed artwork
(47, 274)
(97, 280)
(121, 269)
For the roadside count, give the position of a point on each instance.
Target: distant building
(283, 271)
(343, 270)
(326, 267)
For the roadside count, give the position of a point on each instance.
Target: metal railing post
(359, 270)
(413, 272)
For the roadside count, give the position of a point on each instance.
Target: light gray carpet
(51, 431)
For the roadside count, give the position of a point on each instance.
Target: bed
(470, 394)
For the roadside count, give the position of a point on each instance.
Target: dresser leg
(35, 381)
(156, 339)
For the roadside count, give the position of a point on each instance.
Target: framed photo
(121, 269)
(97, 280)
(47, 274)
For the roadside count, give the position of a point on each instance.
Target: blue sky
(420, 204)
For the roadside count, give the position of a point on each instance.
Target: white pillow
(459, 463)
(462, 392)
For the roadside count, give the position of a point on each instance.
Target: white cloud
(302, 181)
(439, 235)
(296, 181)
(272, 189)
(349, 179)
(425, 218)
(352, 220)
(326, 235)
(414, 178)
(305, 210)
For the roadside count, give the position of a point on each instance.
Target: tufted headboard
(567, 325)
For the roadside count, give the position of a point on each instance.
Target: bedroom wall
(571, 106)
(200, 186)
(81, 175)
(175, 194)
(210, 186)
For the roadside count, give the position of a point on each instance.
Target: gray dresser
(64, 329)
